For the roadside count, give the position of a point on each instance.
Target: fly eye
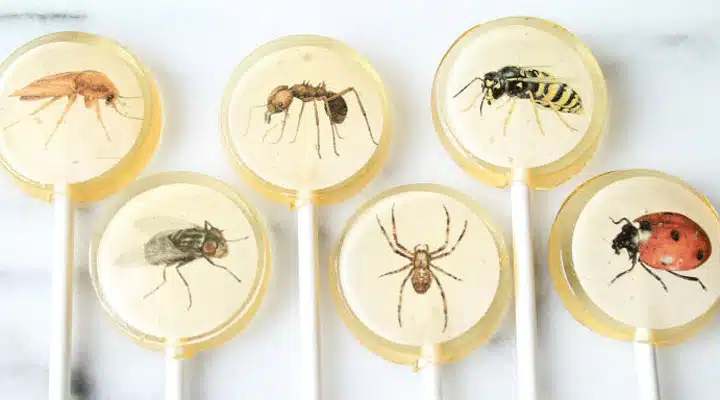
(210, 247)
(700, 255)
(675, 235)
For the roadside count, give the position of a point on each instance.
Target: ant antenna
(247, 129)
(468, 85)
(620, 220)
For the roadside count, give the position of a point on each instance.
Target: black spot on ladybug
(675, 235)
(700, 255)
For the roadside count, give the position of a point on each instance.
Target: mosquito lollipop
(421, 277)
(181, 266)
(79, 118)
(306, 120)
(633, 255)
(520, 102)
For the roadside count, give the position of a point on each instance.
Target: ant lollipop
(181, 266)
(307, 122)
(79, 119)
(633, 255)
(421, 277)
(520, 102)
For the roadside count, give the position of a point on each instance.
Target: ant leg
(221, 267)
(402, 253)
(395, 235)
(332, 126)
(71, 101)
(444, 299)
(447, 233)
(249, 118)
(37, 110)
(445, 272)
(654, 275)
(297, 128)
(362, 108)
(459, 239)
(317, 125)
(400, 298)
(282, 130)
(396, 271)
(535, 110)
(507, 118)
(688, 278)
(96, 104)
(622, 273)
(164, 281)
(187, 287)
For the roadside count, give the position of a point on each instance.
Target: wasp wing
(57, 85)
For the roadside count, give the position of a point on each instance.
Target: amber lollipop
(80, 117)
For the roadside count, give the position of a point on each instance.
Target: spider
(421, 268)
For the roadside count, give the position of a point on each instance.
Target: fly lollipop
(201, 303)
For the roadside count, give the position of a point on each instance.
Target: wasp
(421, 269)
(175, 248)
(93, 86)
(542, 89)
(335, 106)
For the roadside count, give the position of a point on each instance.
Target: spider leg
(71, 101)
(400, 298)
(447, 233)
(402, 253)
(654, 275)
(221, 267)
(297, 128)
(396, 271)
(445, 272)
(395, 235)
(687, 278)
(444, 299)
(362, 108)
(459, 239)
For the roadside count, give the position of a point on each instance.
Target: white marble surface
(661, 60)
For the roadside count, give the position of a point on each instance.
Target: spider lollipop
(421, 277)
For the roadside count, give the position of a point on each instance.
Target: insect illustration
(542, 89)
(663, 241)
(177, 247)
(334, 104)
(421, 270)
(93, 86)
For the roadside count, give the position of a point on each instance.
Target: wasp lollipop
(336, 148)
(633, 255)
(181, 266)
(520, 102)
(421, 276)
(64, 150)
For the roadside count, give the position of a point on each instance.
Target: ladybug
(665, 241)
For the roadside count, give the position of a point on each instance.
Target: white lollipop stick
(173, 375)
(525, 320)
(62, 293)
(307, 303)
(646, 366)
(431, 373)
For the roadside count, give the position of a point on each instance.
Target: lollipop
(306, 120)
(421, 277)
(79, 119)
(633, 255)
(520, 102)
(181, 266)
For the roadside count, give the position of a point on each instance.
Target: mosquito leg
(459, 239)
(535, 106)
(445, 272)
(444, 299)
(688, 278)
(164, 281)
(654, 276)
(297, 128)
(99, 118)
(71, 101)
(400, 298)
(622, 273)
(187, 287)
(395, 234)
(221, 267)
(396, 271)
(403, 253)
(317, 125)
(447, 233)
(362, 108)
(282, 130)
(507, 118)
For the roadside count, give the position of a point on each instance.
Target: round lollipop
(306, 120)
(633, 255)
(181, 266)
(421, 276)
(79, 118)
(520, 102)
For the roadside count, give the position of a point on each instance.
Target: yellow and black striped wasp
(541, 88)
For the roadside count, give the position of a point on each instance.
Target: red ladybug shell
(676, 242)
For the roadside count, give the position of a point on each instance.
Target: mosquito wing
(57, 85)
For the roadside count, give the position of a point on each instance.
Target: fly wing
(134, 257)
(158, 250)
(155, 225)
(57, 85)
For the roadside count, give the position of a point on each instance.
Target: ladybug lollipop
(665, 241)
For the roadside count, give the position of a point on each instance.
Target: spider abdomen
(421, 280)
